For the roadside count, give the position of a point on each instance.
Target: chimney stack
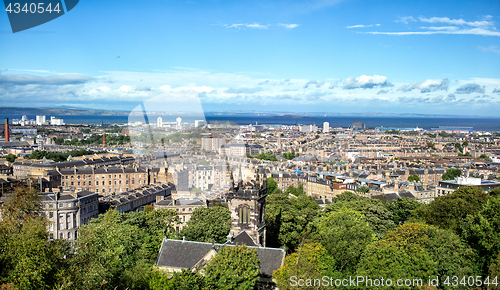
(7, 138)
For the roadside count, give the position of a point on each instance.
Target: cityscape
(265, 145)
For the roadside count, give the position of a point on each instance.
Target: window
(103, 182)
(51, 236)
(69, 235)
(97, 183)
(61, 236)
(51, 214)
(243, 215)
(71, 182)
(78, 183)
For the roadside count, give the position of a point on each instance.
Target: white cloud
(471, 31)
(125, 89)
(455, 26)
(360, 26)
(455, 21)
(406, 19)
(429, 85)
(494, 49)
(247, 25)
(288, 26)
(365, 82)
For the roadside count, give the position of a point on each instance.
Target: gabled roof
(243, 238)
(186, 254)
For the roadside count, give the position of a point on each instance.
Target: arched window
(243, 215)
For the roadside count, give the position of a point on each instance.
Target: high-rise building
(40, 120)
(326, 127)
(159, 122)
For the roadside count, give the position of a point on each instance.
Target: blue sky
(436, 57)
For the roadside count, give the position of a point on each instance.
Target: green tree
(11, 158)
(208, 224)
(481, 231)
(105, 249)
(431, 145)
(184, 280)
(266, 156)
(272, 185)
(376, 214)
(234, 267)
(484, 157)
(363, 189)
(450, 211)
(402, 209)
(495, 272)
(289, 155)
(413, 178)
(288, 219)
(28, 260)
(310, 261)
(345, 234)
(451, 174)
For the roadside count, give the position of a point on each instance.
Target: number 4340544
(32, 8)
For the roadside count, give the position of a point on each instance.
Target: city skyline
(316, 56)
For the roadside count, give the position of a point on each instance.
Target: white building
(308, 128)
(159, 122)
(495, 158)
(56, 121)
(68, 211)
(40, 120)
(199, 123)
(326, 127)
(178, 120)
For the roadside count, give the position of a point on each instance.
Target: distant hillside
(59, 111)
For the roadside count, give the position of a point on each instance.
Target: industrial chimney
(7, 138)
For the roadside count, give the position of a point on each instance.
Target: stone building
(246, 202)
(67, 211)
